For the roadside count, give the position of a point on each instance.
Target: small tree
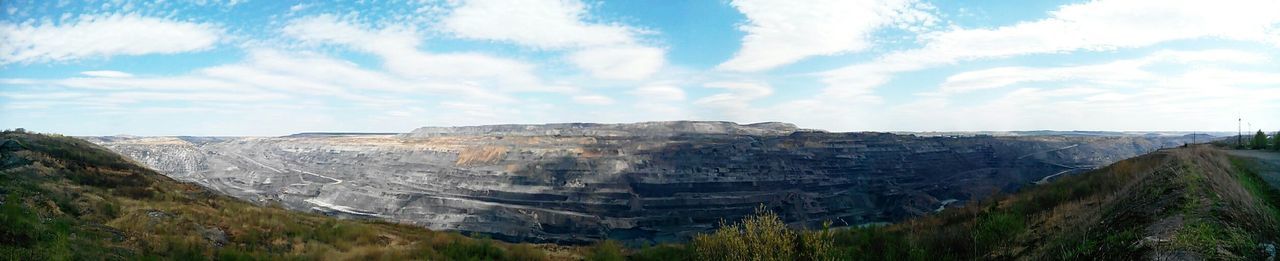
(1275, 141)
(1259, 141)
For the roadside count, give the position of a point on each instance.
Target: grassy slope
(64, 198)
(1196, 203)
(1188, 202)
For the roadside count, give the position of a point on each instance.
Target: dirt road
(1268, 164)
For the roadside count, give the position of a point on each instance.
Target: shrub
(484, 250)
(607, 250)
(1275, 141)
(817, 245)
(762, 236)
(664, 252)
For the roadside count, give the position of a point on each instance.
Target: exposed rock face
(657, 129)
(658, 181)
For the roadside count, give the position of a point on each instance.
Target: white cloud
(1120, 71)
(783, 32)
(662, 93)
(735, 103)
(102, 36)
(1116, 73)
(620, 63)
(605, 51)
(538, 23)
(267, 74)
(593, 99)
(1090, 26)
(1174, 90)
(1085, 27)
(662, 101)
(398, 48)
(1109, 25)
(108, 74)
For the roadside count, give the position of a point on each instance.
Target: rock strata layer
(642, 182)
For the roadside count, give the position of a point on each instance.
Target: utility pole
(1239, 133)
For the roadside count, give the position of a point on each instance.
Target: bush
(607, 250)
(1275, 141)
(762, 236)
(816, 245)
(485, 250)
(664, 252)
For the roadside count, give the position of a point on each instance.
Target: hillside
(636, 182)
(1177, 204)
(64, 198)
(1198, 203)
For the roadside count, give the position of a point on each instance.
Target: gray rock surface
(653, 129)
(643, 182)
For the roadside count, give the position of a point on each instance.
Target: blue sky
(278, 67)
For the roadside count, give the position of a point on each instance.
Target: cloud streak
(783, 32)
(103, 36)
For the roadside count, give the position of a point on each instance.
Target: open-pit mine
(639, 182)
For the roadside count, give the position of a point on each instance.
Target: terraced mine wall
(651, 182)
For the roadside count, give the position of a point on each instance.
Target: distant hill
(64, 198)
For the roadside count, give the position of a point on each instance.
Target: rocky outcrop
(574, 183)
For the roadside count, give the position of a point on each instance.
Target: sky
(265, 68)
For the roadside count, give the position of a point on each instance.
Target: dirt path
(1048, 151)
(1269, 164)
(1046, 179)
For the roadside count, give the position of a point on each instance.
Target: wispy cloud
(102, 36)
(735, 102)
(107, 73)
(606, 51)
(593, 99)
(398, 48)
(1090, 26)
(839, 65)
(1129, 72)
(783, 32)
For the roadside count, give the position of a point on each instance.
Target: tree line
(1260, 141)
